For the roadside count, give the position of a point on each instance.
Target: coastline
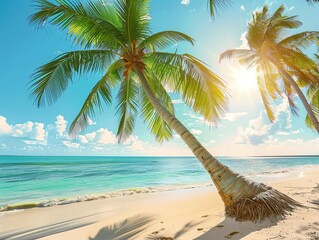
(266, 177)
(181, 214)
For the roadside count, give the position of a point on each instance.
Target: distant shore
(196, 213)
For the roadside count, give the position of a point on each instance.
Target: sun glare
(245, 79)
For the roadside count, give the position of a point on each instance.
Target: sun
(245, 79)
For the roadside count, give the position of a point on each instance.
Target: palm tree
(117, 42)
(280, 61)
(313, 95)
(214, 5)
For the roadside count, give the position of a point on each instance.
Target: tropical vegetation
(215, 5)
(117, 42)
(282, 68)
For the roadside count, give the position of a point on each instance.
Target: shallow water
(40, 178)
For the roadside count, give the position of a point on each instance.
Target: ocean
(48, 179)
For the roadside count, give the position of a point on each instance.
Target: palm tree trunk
(244, 199)
(302, 97)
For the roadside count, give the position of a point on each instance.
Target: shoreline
(276, 176)
(182, 214)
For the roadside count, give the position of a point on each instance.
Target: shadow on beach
(123, 230)
(234, 230)
(47, 230)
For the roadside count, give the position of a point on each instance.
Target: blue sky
(245, 130)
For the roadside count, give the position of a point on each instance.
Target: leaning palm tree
(214, 5)
(118, 43)
(280, 63)
(313, 95)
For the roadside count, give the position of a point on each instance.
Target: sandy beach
(180, 214)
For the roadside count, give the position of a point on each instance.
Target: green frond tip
(312, 1)
(134, 17)
(158, 127)
(127, 108)
(162, 40)
(51, 80)
(215, 5)
(83, 22)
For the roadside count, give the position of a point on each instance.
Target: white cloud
(176, 136)
(90, 121)
(135, 143)
(70, 144)
(196, 131)
(234, 116)
(271, 140)
(185, 2)
(104, 136)
(291, 8)
(298, 140)
(177, 101)
(101, 136)
(21, 129)
(32, 142)
(286, 133)
(40, 133)
(198, 119)
(60, 125)
(83, 139)
(28, 132)
(5, 128)
(260, 131)
(269, 3)
(242, 7)
(244, 42)
(90, 136)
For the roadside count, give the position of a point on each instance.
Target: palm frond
(314, 100)
(100, 93)
(135, 19)
(301, 65)
(313, 96)
(127, 108)
(289, 92)
(266, 99)
(303, 39)
(249, 61)
(158, 127)
(278, 23)
(50, 80)
(236, 54)
(202, 90)
(162, 40)
(312, 1)
(270, 79)
(309, 123)
(215, 5)
(74, 16)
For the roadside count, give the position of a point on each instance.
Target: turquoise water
(30, 178)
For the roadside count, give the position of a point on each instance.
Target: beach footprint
(231, 234)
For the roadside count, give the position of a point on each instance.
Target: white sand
(181, 214)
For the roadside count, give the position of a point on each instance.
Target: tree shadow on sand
(229, 228)
(123, 230)
(47, 230)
